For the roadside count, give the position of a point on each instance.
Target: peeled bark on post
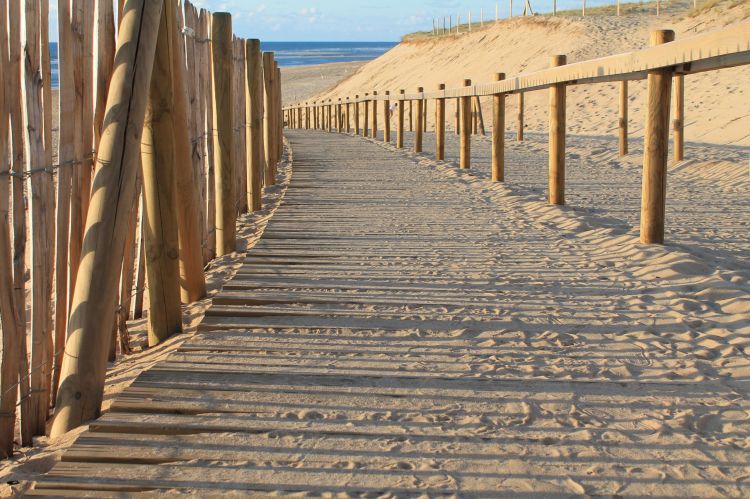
(223, 98)
(465, 148)
(656, 148)
(623, 119)
(254, 103)
(84, 364)
(440, 126)
(498, 134)
(420, 124)
(192, 278)
(556, 178)
(400, 123)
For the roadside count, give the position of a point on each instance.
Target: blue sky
(332, 20)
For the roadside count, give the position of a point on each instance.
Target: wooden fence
(159, 141)
(665, 64)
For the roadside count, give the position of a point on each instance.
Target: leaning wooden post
(374, 130)
(192, 278)
(465, 149)
(400, 123)
(365, 125)
(84, 363)
(519, 118)
(556, 177)
(498, 134)
(679, 117)
(420, 123)
(440, 126)
(387, 118)
(655, 148)
(221, 44)
(159, 168)
(623, 121)
(254, 112)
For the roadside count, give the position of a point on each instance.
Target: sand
(717, 103)
(302, 83)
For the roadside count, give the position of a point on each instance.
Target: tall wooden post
(221, 36)
(400, 123)
(192, 279)
(279, 136)
(366, 123)
(457, 116)
(159, 167)
(655, 148)
(84, 363)
(623, 121)
(498, 134)
(254, 103)
(440, 126)
(374, 130)
(465, 148)
(519, 118)
(420, 123)
(356, 114)
(411, 116)
(679, 117)
(556, 177)
(268, 118)
(387, 118)
(348, 116)
(330, 115)
(339, 118)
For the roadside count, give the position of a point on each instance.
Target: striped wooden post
(387, 118)
(556, 177)
(84, 363)
(440, 126)
(374, 130)
(498, 134)
(400, 123)
(655, 148)
(420, 123)
(465, 146)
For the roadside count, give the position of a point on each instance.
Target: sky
(334, 20)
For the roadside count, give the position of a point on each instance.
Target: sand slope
(717, 103)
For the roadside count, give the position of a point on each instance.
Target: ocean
(297, 53)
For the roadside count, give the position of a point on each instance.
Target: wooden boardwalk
(402, 331)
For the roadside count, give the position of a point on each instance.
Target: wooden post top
(558, 60)
(660, 36)
(374, 92)
(402, 91)
(467, 83)
(387, 92)
(441, 86)
(420, 90)
(499, 76)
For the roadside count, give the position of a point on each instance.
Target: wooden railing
(164, 138)
(663, 64)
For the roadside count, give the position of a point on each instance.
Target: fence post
(387, 118)
(465, 149)
(339, 117)
(254, 104)
(356, 114)
(348, 116)
(519, 118)
(498, 134)
(420, 123)
(374, 131)
(623, 121)
(221, 37)
(268, 121)
(458, 116)
(84, 363)
(556, 179)
(679, 117)
(440, 126)
(655, 148)
(400, 123)
(365, 125)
